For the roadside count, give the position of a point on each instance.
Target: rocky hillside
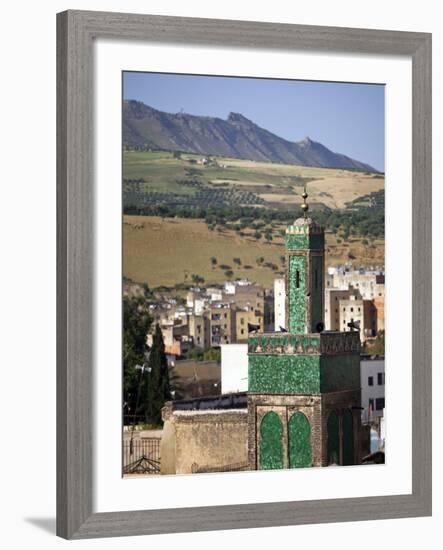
(236, 137)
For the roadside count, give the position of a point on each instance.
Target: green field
(169, 250)
(166, 252)
(241, 182)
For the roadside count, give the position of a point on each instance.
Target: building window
(379, 403)
(371, 405)
(380, 378)
(242, 321)
(370, 380)
(297, 279)
(352, 310)
(242, 331)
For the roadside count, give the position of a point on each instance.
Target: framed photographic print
(244, 283)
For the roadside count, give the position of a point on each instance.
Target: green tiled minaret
(304, 371)
(305, 250)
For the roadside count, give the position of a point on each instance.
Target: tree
(237, 261)
(136, 324)
(213, 261)
(158, 389)
(376, 346)
(197, 279)
(212, 354)
(229, 273)
(147, 292)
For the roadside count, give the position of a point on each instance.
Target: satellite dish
(354, 325)
(320, 327)
(253, 328)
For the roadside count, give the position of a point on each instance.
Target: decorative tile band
(285, 343)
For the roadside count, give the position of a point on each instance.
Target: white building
(234, 368)
(370, 284)
(279, 304)
(372, 375)
(332, 306)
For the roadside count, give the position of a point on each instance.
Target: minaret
(304, 398)
(305, 274)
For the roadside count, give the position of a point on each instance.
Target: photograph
(213, 199)
(253, 291)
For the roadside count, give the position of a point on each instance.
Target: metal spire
(305, 205)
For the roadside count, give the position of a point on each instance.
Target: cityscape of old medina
(253, 274)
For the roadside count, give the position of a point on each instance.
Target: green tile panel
(299, 441)
(317, 291)
(271, 442)
(340, 372)
(304, 241)
(296, 299)
(284, 374)
(297, 241)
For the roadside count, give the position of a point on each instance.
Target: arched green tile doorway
(271, 444)
(348, 438)
(299, 433)
(333, 439)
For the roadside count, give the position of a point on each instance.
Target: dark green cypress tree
(136, 323)
(158, 389)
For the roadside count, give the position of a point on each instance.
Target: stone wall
(197, 441)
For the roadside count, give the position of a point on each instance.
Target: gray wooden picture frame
(76, 32)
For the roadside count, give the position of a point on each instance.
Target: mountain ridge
(236, 136)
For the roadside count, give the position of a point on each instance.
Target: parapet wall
(209, 441)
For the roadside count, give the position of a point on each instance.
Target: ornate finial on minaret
(305, 205)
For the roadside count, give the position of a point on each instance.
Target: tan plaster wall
(204, 441)
(167, 449)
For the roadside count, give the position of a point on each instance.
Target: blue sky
(346, 118)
